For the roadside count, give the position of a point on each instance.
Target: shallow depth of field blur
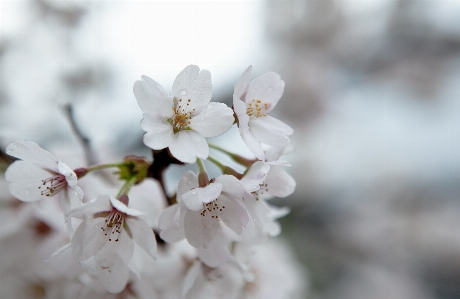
(372, 92)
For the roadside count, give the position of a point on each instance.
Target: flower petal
(231, 184)
(270, 130)
(199, 230)
(268, 88)
(143, 235)
(235, 215)
(159, 131)
(112, 271)
(214, 120)
(29, 151)
(169, 231)
(217, 253)
(194, 85)
(123, 208)
(187, 182)
(24, 178)
(152, 97)
(195, 198)
(69, 174)
(255, 176)
(242, 84)
(88, 239)
(187, 145)
(243, 125)
(87, 210)
(280, 183)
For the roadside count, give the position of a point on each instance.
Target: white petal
(194, 85)
(255, 176)
(195, 198)
(268, 88)
(243, 125)
(187, 182)
(234, 215)
(242, 84)
(29, 151)
(143, 235)
(280, 183)
(97, 205)
(159, 131)
(123, 208)
(188, 145)
(113, 272)
(169, 231)
(270, 130)
(214, 120)
(24, 180)
(152, 97)
(231, 184)
(217, 253)
(69, 174)
(124, 247)
(88, 239)
(199, 230)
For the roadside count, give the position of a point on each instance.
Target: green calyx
(133, 167)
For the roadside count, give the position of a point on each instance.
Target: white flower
(41, 175)
(263, 181)
(199, 211)
(252, 101)
(103, 242)
(183, 120)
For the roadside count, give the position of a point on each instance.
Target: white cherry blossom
(104, 242)
(183, 120)
(200, 210)
(252, 101)
(39, 175)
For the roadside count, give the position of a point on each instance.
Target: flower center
(263, 189)
(212, 208)
(182, 115)
(113, 225)
(256, 108)
(52, 185)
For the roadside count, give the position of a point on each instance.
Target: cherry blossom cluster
(201, 242)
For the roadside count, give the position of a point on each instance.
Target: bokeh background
(372, 91)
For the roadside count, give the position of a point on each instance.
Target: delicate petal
(29, 151)
(112, 271)
(280, 183)
(195, 198)
(88, 239)
(187, 182)
(143, 235)
(242, 84)
(234, 215)
(69, 174)
(169, 231)
(124, 247)
(198, 230)
(214, 120)
(243, 124)
(159, 131)
(152, 97)
(270, 130)
(268, 88)
(217, 253)
(97, 205)
(24, 179)
(231, 184)
(194, 85)
(188, 145)
(255, 176)
(123, 208)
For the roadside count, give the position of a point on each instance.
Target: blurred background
(372, 93)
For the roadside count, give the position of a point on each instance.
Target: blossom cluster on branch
(201, 242)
